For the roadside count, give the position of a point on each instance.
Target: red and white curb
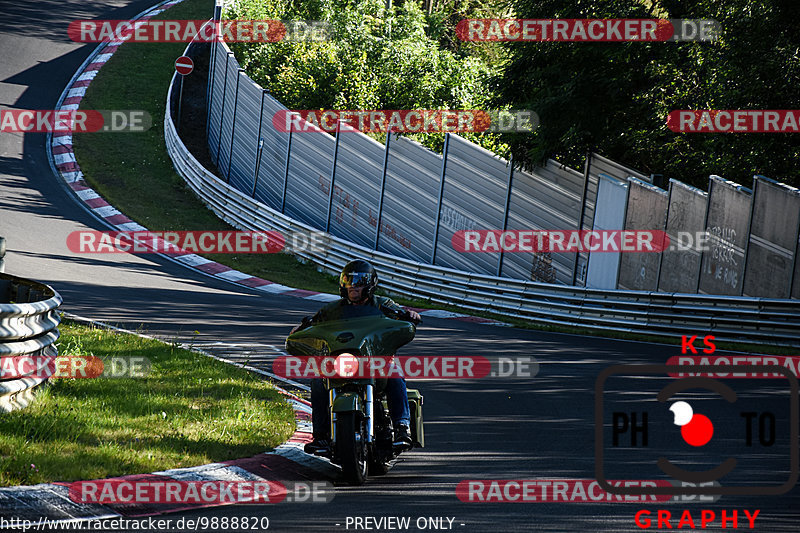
(67, 168)
(284, 463)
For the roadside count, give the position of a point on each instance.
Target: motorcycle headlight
(346, 365)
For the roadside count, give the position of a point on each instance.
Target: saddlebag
(415, 405)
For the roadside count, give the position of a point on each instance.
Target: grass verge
(190, 410)
(135, 174)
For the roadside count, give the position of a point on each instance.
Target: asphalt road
(494, 428)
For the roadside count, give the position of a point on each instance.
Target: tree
(615, 97)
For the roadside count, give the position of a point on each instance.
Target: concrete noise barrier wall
(727, 224)
(772, 249)
(686, 223)
(647, 210)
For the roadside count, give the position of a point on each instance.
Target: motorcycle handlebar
(406, 315)
(402, 315)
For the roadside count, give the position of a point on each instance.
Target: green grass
(190, 410)
(134, 173)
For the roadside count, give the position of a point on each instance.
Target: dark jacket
(332, 311)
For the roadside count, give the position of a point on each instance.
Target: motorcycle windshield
(360, 329)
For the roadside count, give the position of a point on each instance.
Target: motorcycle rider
(357, 284)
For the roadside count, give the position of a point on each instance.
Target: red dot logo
(696, 430)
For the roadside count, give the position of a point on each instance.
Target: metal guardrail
(752, 320)
(28, 328)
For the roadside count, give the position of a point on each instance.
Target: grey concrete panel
(686, 216)
(647, 210)
(796, 277)
(773, 239)
(727, 224)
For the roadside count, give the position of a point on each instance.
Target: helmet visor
(354, 279)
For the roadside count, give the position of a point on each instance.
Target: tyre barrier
(29, 321)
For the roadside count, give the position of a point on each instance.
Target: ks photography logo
(648, 423)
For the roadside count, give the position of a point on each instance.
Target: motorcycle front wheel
(351, 447)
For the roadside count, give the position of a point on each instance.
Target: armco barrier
(756, 320)
(28, 327)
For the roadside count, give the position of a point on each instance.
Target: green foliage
(610, 97)
(615, 97)
(372, 61)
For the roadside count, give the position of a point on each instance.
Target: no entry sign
(184, 65)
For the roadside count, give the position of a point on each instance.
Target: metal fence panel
(226, 128)
(582, 259)
(357, 187)
(561, 176)
(474, 195)
(217, 98)
(647, 210)
(543, 199)
(597, 165)
(612, 197)
(773, 239)
(272, 166)
(407, 226)
(727, 223)
(686, 218)
(245, 135)
(308, 185)
(475, 190)
(603, 165)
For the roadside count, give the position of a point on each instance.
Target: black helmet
(358, 273)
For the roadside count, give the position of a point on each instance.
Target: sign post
(184, 66)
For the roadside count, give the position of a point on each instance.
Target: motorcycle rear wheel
(351, 447)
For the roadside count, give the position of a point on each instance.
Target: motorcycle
(361, 428)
